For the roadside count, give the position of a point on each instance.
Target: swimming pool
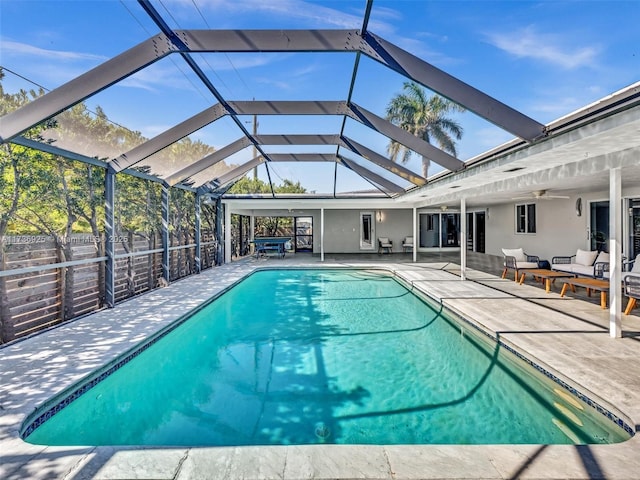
(319, 356)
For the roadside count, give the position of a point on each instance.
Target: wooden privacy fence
(45, 281)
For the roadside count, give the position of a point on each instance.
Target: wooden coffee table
(590, 284)
(549, 276)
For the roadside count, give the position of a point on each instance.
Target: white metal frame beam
(227, 41)
(353, 111)
(379, 181)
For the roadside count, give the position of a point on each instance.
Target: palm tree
(426, 118)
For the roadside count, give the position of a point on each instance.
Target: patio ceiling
(541, 157)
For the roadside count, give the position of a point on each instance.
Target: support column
(219, 235)
(463, 239)
(166, 274)
(615, 252)
(109, 227)
(227, 234)
(198, 233)
(252, 233)
(322, 234)
(415, 234)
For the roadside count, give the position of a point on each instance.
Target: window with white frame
(526, 218)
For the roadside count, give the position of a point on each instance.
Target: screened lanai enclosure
(96, 209)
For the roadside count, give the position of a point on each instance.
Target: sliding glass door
(439, 230)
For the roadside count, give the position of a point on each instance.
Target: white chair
(631, 289)
(385, 245)
(407, 244)
(516, 259)
(632, 267)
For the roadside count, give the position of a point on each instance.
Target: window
(526, 218)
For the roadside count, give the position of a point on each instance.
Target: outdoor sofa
(585, 263)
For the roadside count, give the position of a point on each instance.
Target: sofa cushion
(518, 253)
(526, 264)
(584, 270)
(585, 257)
(562, 267)
(603, 257)
(636, 265)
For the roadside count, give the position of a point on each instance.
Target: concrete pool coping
(566, 334)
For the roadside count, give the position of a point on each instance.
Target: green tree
(267, 226)
(288, 186)
(425, 117)
(182, 229)
(249, 185)
(16, 179)
(44, 194)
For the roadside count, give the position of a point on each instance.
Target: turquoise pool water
(323, 356)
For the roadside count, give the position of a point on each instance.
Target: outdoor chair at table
(516, 259)
(385, 245)
(631, 267)
(631, 284)
(407, 244)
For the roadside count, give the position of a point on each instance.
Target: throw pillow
(603, 257)
(586, 257)
(518, 253)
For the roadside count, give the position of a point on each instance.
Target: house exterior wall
(559, 230)
(342, 229)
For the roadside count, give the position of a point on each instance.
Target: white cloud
(318, 14)
(242, 61)
(383, 22)
(154, 78)
(558, 106)
(9, 47)
(306, 70)
(274, 83)
(551, 48)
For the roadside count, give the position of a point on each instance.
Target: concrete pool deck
(568, 335)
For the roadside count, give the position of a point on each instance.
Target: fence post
(219, 236)
(165, 233)
(110, 264)
(198, 231)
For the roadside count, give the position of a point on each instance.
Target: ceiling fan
(541, 195)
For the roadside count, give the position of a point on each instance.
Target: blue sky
(544, 58)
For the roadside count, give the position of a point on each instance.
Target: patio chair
(631, 267)
(631, 290)
(516, 259)
(407, 244)
(385, 245)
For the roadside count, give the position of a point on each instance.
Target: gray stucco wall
(342, 229)
(559, 231)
